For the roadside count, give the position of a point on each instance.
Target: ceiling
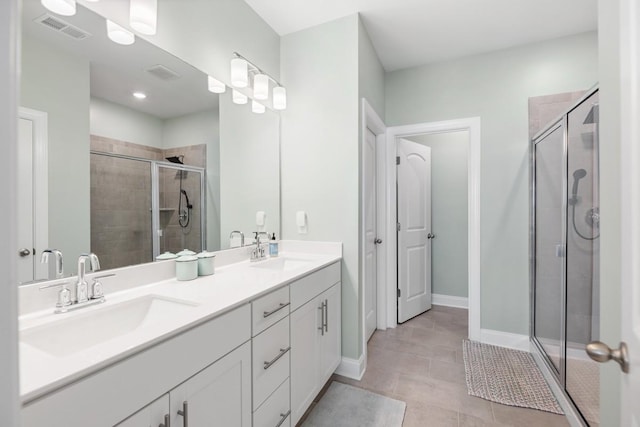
(407, 33)
(117, 71)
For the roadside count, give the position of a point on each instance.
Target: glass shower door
(549, 196)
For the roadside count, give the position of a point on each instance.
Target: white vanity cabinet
(315, 335)
(151, 415)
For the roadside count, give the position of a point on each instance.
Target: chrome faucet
(259, 253)
(58, 256)
(82, 287)
(241, 236)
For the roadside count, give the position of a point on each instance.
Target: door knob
(377, 241)
(24, 252)
(431, 236)
(600, 352)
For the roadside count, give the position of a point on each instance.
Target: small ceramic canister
(206, 263)
(185, 252)
(187, 267)
(165, 256)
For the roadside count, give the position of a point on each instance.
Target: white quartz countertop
(206, 297)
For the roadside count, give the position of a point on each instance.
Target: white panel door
(24, 260)
(414, 217)
(370, 236)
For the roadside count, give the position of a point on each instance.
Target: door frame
(40, 179)
(471, 125)
(370, 120)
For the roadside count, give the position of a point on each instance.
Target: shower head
(578, 174)
(593, 116)
(176, 159)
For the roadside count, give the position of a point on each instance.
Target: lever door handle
(600, 352)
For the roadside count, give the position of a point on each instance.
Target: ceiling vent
(61, 26)
(162, 72)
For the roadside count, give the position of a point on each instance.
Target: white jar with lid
(206, 263)
(165, 256)
(185, 252)
(187, 267)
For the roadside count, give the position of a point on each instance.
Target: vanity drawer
(268, 309)
(310, 286)
(275, 411)
(271, 352)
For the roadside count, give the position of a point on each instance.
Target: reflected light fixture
(118, 34)
(261, 86)
(239, 72)
(279, 98)
(61, 7)
(143, 16)
(239, 97)
(139, 95)
(257, 108)
(215, 85)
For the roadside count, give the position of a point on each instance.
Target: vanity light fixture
(215, 85)
(143, 16)
(118, 34)
(257, 108)
(241, 66)
(239, 97)
(279, 98)
(139, 95)
(239, 72)
(61, 7)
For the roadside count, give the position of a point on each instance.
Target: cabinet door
(331, 353)
(151, 415)
(220, 395)
(305, 356)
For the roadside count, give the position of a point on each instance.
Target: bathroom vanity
(249, 346)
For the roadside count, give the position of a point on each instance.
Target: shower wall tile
(544, 109)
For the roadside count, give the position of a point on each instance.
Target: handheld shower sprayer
(578, 174)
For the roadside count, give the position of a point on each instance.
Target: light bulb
(118, 34)
(257, 108)
(61, 7)
(261, 86)
(279, 98)
(239, 97)
(143, 16)
(215, 85)
(139, 95)
(239, 72)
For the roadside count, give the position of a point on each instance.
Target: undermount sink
(282, 264)
(69, 335)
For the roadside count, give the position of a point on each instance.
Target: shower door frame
(155, 196)
(536, 346)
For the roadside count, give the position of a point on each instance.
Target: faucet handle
(97, 291)
(64, 295)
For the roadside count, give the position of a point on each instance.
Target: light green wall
(57, 83)
(249, 169)
(116, 121)
(370, 72)
(320, 148)
(610, 232)
(496, 87)
(449, 211)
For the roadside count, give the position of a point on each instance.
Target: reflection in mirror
(128, 177)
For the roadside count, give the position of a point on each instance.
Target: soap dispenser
(273, 246)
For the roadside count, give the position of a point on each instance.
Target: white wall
(320, 147)
(449, 211)
(249, 169)
(496, 87)
(116, 121)
(9, 85)
(57, 83)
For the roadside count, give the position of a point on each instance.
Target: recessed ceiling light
(139, 95)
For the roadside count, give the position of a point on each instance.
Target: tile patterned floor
(420, 362)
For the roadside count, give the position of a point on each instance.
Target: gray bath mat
(346, 406)
(506, 376)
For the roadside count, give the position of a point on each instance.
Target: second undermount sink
(73, 334)
(282, 264)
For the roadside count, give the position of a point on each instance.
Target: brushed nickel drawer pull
(167, 421)
(326, 315)
(284, 417)
(283, 351)
(185, 413)
(321, 308)
(269, 313)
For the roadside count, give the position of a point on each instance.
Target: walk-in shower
(565, 247)
(141, 208)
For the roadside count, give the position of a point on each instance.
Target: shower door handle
(600, 352)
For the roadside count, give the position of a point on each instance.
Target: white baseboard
(352, 368)
(450, 301)
(504, 339)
